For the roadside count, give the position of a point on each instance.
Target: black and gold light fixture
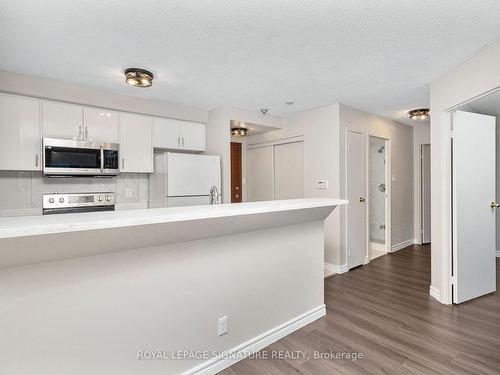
(138, 77)
(239, 132)
(419, 114)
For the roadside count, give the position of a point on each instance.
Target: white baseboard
(367, 260)
(435, 293)
(331, 269)
(236, 354)
(402, 245)
(343, 268)
(377, 246)
(498, 254)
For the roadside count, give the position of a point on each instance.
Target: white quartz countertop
(38, 225)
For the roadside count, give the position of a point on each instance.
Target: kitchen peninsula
(85, 293)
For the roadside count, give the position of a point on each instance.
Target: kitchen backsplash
(21, 192)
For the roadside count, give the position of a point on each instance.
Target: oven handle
(102, 159)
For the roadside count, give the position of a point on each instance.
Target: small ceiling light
(290, 102)
(419, 114)
(138, 77)
(239, 132)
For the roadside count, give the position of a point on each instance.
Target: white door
(101, 124)
(136, 149)
(356, 194)
(20, 141)
(166, 133)
(62, 120)
(192, 136)
(425, 191)
(289, 170)
(473, 160)
(260, 174)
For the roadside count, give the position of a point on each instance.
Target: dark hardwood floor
(384, 311)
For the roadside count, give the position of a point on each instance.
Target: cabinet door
(192, 136)
(136, 149)
(101, 125)
(61, 120)
(20, 141)
(166, 133)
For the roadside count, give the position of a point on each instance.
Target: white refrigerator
(183, 179)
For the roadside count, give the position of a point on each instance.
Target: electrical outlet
(128, 193)
(322, 184)
(223, 326)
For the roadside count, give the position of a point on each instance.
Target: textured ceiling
(375, 55)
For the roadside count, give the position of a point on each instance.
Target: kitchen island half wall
(92, 293)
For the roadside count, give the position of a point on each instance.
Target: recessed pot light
(138, 77)
(419, 114)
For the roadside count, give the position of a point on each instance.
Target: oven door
(63, 157)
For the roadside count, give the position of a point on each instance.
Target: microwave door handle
(102, 159)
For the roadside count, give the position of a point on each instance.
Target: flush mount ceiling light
(138, 77)
(419, 114)
(239, 132)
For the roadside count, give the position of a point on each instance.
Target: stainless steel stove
(61, 203)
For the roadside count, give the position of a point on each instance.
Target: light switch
(322, 184)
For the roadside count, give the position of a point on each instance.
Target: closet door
(260, 176)
(289, 170)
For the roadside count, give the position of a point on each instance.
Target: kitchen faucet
(214, 195)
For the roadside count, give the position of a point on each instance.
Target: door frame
(388, 194)
(388, 201)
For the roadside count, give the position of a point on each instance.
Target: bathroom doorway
(378, 197)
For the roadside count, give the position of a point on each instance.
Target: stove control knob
(51, 200)
(61, 200)
(99, 198)
(108, 197)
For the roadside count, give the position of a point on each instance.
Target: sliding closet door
(289, 170)
(260, 176)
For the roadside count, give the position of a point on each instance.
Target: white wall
(72, 93)
(401, 137)
(471, 79)
(421, 136)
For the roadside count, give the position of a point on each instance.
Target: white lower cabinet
(136, 148)
(20, 139)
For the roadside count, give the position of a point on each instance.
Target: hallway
(384, 311)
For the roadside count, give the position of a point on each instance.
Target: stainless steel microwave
(68, 157)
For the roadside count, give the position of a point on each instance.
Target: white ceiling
(378, 56)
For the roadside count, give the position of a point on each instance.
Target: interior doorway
(378, 186)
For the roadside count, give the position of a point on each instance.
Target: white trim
(367, 260)
(498, 254)
(279, 141)
(343, 268)
(435, 293)
(257, 343)
(381, 247)
(402, 245)
(331, 269)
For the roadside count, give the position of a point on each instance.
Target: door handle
(494, 205)
(36, 160)
(362, 200)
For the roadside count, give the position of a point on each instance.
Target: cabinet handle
(182, 141)
(178, 141)
(86, 133)
(123, 163)
(80, 132)
(36, 160)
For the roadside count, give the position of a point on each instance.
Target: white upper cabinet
(62, 120)
(136, 148)
(165, 133)
(20, 140)
(101, 125)
(192, 136)
(178, 135)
